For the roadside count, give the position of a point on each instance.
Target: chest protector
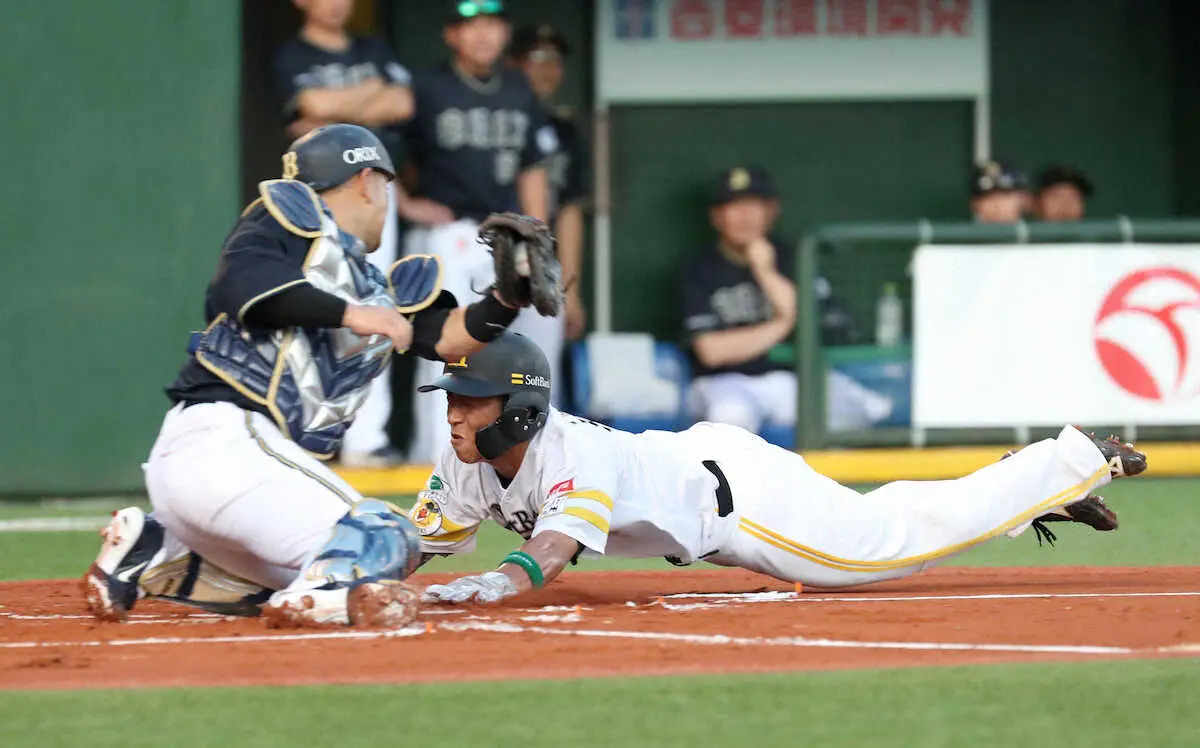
(313, 381)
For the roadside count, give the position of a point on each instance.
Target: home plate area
(624, 623)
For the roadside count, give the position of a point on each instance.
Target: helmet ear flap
(522, 415)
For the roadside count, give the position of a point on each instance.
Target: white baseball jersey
(651, 494)
(618, 494)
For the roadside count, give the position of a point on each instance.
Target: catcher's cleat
(376, 604)
(1123, 460)
(131, 540)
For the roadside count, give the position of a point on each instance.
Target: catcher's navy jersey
(469, 139)
(258, 256)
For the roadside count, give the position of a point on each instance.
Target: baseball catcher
(245, 516)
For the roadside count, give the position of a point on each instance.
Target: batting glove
(491, 587)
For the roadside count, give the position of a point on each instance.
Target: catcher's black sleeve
(299, 306)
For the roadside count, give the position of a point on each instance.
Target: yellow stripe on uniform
(597, 496)
(591, 518)
(450, 537)
(842, 564)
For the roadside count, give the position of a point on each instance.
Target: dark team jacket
(469, 139)
(299, 65)
(568, 169)
(719, 295)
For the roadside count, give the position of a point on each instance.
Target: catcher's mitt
(527, 269)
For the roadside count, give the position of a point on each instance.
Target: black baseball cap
(996, 176)
(509, 364)
(743, 181)
(1065, 174)
(458, 11)
(528, 38)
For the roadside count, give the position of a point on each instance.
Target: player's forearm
(533, 192)
(391, 105)
(741, 344)
(780, 292)
(469, 328)
(568, 230)
(551, 551)
(336, 104)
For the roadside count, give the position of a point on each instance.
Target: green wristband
(526, 562)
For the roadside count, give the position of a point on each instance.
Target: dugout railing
(859, 257)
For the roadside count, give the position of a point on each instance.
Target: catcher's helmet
(512, 367)
(330, 155)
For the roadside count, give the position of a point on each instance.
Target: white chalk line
(700, 639)
(772, 597)
(416, 630)
(54, 524)
(788, 641)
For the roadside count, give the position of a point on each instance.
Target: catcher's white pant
(793, 523)
(227, 484)
(369, 430)
(467, 269)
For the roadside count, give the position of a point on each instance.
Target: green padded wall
(1089, 82)
(831, 162)
(121, 132)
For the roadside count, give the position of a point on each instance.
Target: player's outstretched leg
(131, 541)
(355, 578)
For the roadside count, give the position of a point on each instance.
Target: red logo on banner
(1147, 334)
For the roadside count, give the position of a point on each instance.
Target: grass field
(1097, 704)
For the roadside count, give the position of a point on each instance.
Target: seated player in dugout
(739, 304)
(714, 492)
(1062, 193)
(999, 193)
(246, 516)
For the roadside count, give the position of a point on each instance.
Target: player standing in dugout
(478, 144)
(539, 52)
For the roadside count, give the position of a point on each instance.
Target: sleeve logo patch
(436, 483)
(562, 487)
(426, 516)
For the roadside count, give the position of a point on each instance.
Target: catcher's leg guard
(193, 581)
(355, 578)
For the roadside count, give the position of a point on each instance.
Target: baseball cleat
(1090, 510)
(131, 540)
(378, 604)
(1123, 460)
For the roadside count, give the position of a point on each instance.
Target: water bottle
(889, 317)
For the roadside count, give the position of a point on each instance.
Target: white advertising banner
(703, 50)
(1042, 335)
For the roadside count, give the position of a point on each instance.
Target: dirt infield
(624, 623)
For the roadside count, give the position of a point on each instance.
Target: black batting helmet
(512, 367)
(330, 155)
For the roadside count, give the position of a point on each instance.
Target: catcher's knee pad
(373, 541)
